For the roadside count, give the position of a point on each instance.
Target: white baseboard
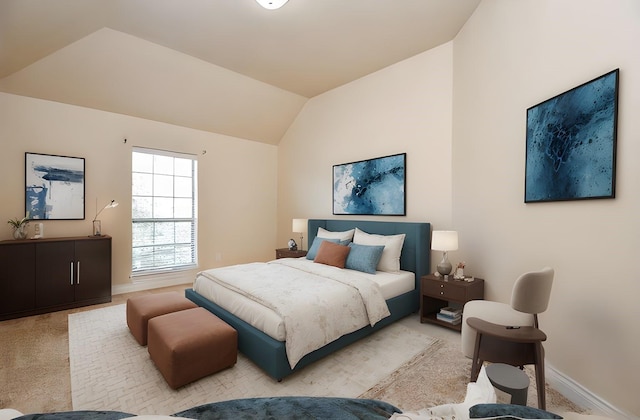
(119, 289)
(582, 396)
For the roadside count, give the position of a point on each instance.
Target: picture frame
(571, 143)
(371, 187)
(54, 187)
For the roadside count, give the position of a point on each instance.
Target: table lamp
(97, 225)
(444, 240)
(299, 226)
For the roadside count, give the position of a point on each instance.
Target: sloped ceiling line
(225, 66)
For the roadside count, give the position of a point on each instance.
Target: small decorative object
(19, 227)
(459, 275)
(292, 245)
(39, 231)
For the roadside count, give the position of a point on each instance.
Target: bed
(270, 354)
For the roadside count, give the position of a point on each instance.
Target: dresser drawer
(443, 290)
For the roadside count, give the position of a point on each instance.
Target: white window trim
(139, 275)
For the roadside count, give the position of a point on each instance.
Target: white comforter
(318, 303)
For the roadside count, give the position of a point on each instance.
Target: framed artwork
(370, 187)
(54, 187)
(571, 143)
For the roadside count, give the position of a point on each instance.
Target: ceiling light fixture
(272, 4)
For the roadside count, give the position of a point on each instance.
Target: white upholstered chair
(498, 341)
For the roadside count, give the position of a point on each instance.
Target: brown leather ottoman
(141, 309)
(191, 344)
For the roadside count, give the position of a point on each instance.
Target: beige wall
(404, 108)
(508, 57)
(466, 171)
(236, 178)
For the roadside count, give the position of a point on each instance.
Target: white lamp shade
(299, 225)
(444, 240)
(272, 4)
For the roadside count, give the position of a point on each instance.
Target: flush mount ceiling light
(271, 4)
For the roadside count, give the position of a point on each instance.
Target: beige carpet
(439, 375)
(110, 371)
(33, 360)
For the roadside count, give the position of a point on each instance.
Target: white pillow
(347, 235)
(390, 259)
(9, 413)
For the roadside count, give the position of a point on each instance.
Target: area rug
(110, 371)
(440, 374)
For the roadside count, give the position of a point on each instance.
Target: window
(163, 186)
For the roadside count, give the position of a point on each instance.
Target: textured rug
(110, 371)
(439, 375)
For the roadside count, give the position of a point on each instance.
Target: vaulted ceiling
(225, 66)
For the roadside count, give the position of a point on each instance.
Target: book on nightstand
(450, 319)
(451, 311)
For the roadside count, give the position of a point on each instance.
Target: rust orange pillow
(332, 254)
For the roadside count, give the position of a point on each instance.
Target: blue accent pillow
(313, 249)
(364, 258)
(507, 411)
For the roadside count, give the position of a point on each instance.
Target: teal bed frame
(270, 354)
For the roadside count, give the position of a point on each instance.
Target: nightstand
(287, 253)
(436, 293)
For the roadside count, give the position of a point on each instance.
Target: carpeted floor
(35, 370)
(439, 376)
(110, 370)
(34, 354)
(34, 358)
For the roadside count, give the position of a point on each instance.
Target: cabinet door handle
(72, 273)
(78, 274)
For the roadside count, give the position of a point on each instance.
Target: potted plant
(19, 227)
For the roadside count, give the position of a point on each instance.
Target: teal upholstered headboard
(417, 243)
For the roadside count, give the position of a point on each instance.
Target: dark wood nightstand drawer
(444, 290)
(288, 253)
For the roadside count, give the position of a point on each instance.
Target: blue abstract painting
(54, 187)
(370, 187)
(571, 143)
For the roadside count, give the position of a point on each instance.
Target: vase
(20, 232)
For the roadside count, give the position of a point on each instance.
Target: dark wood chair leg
(540, 381)
(514, 346)
(477, 363)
